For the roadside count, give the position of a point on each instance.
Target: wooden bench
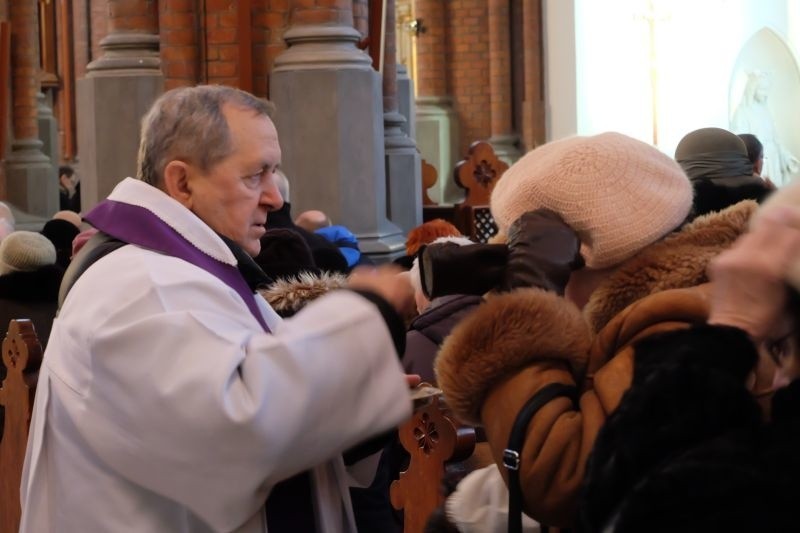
(22, 357)
(477, 174)
(434, 439)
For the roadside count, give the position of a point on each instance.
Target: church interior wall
(599, 77)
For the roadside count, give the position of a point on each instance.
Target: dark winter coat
(716, 194)
(687, 449)
(428, 331)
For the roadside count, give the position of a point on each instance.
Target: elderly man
(171, 397)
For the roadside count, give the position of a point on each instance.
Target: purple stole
(136, 225)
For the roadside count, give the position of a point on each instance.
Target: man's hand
(388, 282)
(749, 289)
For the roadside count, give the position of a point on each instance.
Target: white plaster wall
(597, 60)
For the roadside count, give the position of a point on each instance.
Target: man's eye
(254, 180)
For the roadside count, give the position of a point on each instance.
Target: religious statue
(752, 115)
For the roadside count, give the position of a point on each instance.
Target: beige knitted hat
(70, 216)
(617, 193)
(25, 251)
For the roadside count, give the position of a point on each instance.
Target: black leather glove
(447, 268)
(542, 252)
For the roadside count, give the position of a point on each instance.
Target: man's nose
(271, 196)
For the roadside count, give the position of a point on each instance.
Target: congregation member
(627, 267)
(170, 396)
(660, 463)
(719, 167)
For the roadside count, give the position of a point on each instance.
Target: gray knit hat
(25, 251)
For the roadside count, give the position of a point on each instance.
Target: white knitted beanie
(619, 194)
(25, 251)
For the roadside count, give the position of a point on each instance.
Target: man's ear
(176, 182)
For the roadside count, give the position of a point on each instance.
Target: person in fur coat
(624, 203)
(689, 448)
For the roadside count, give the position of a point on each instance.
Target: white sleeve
(185, 397)
(480, 504)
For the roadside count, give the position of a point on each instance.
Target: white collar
(136, 192)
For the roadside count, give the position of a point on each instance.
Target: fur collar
(677, 261)
(288, 296)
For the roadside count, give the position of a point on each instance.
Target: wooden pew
(433, 438)
(22, 356)
(478, 173)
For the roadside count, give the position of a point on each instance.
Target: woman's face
(782, 347)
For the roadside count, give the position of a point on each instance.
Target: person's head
(420, 299)
(713, 153)
(26, 251)
(285, 254)
(70, 216)
(215, 150)
(755, 151)
(66, 171)
(312, 220)
(617, 193)
(427, 233)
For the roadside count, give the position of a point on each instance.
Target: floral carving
(426, 434)
(484, 173)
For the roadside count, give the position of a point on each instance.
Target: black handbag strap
(511, 455)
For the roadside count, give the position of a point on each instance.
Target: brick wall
(468, 68)
(361, 16)
(180, 53)
(98, 14)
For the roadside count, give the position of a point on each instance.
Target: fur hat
(70, 216)
(25, 251)
(617, 193)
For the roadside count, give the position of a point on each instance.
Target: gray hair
(188, 124)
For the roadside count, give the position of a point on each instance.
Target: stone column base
(111, 108)
(330, 124)
(403, 174)
(31, 180)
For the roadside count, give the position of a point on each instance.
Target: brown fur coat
(516, 343)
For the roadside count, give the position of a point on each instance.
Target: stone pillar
(403, 163)
(29, 172)
(533, 131)
(330, 123)
(117, 91)
(503, 138)
(51, 144)
(437, 127)
(405, 101)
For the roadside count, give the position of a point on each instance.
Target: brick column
(503, 138)
(31, 178)
(436, 125)
(533, 131)
(403, 164)
(180, 53)
(117, 91)
(322, 78)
